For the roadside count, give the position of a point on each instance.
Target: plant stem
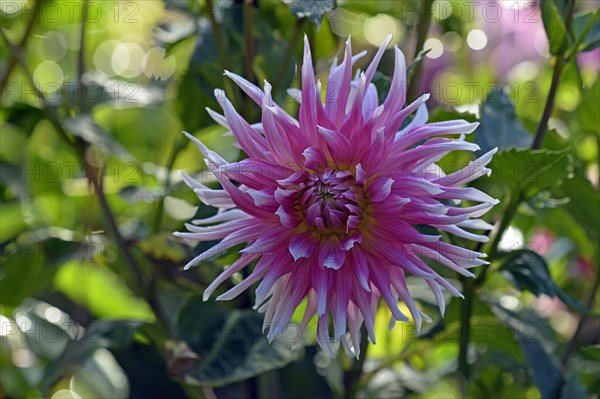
(589, 303)
(509, 213)
(465, 326)
(289, 51)
(83, 103)
(559, 65)
(158, 216)
(248, 10)
(12, 61)
(220, 43)
(352, 376)
(422, 32)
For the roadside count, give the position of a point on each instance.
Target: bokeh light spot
(378, 27)
(49, 76)
(52, 46)
(477, 39)
(436, 46)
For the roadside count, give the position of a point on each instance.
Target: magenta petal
(331, 255)
(314, 158)
(287, 217)
(303, 245)
(380, 189)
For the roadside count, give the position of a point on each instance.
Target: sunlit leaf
(529, 172)
(101, 291)
(554, 26)
(583, 204)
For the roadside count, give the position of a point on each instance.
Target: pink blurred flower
(542, 241)
(328, 204)
(582, 268)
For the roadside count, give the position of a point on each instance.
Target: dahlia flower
(328, 205)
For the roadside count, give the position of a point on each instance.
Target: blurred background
(95, 94)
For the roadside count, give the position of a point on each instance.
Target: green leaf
(528, 271)
(500, 126)
(554, 26)
(103, 292)
(591, 352)
(382, 84)
(311, 9)
(416, 63)
(587, 111)
(229, 344)
(586, 27)
(530, 171)
(583, 204)
(441, 114)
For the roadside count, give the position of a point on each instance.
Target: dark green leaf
(586, 27)
(573, 388)
(554, 26)
(537, 348)
(29, 266)
(205, 70)
(529, 172)
(500, 126)
(528, 271)
(416, 63)
(111, 334)
(546, 373)
(383, 84)
(311, 9)
(229, 344)
(441, 114)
